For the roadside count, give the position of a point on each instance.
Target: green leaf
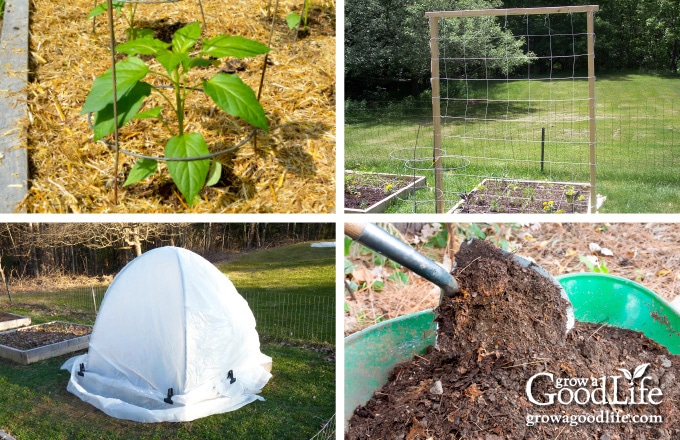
(234, 46)
(348, 243)
(135, 33)
(189, 176)
(143, 46)
(236, 98)
(439, 240)
(128, 73)
(214, 174)
(128, 106)
(140, 171)
(197, 62)
(398, 277)
(293, 20)
(102, 7)
(150, 114)
(170, 60)
(185, 38)
(349, 267)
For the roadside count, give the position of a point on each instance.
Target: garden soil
(527, 197)
(37, 336)
(363, 197)
(7, 317)
(507, 325)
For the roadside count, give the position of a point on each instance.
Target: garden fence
(279, 315)
(635, 139)
(630, 135)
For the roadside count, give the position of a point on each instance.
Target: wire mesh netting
(279, 315)
(512, 98)
(635, 139)
(327, 431)
(513, 94)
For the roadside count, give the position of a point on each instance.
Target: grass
(291, 298)
(300, 397)
(637, 140)
(290, 289)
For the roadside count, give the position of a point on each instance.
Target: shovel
(372, 353)
(385, 244)
(377, 239)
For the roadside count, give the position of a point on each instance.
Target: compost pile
(507, 325)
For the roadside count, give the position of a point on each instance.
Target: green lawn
(638, 139)
(291, 290)
(34, 404)
(300, 398)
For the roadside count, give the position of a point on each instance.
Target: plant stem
(180, 102)
(115, 102)
(172, 104)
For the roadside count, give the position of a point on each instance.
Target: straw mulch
(291, 169)
(645, 253)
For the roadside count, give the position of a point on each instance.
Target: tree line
(387, 48)
(94, 249)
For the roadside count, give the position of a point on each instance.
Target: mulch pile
(507, 325)
(289, 169)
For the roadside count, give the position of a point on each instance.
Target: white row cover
(171, 320)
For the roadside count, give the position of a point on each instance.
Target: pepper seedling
(177, 59)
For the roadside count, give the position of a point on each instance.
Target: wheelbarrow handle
(385, 244)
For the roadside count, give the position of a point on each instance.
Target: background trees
(41, 249)
(387, 41)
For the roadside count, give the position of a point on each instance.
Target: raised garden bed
(43, 341)
(10, 321)
(525, 197)
(375, 192)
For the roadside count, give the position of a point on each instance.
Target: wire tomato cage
(252, 135)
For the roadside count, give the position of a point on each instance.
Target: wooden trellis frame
(434, 17)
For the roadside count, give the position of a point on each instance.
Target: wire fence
(630, 135)
(279, 315)
(634, 140)
(327, 431)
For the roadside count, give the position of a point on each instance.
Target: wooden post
(13, 76)
(94, 300)
(590, 29)
(514, 11)
(542, 147)
(436, 116)
(434, 38)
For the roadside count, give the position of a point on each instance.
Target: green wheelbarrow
(372, 354)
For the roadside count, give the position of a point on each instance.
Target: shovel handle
(385, 244)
